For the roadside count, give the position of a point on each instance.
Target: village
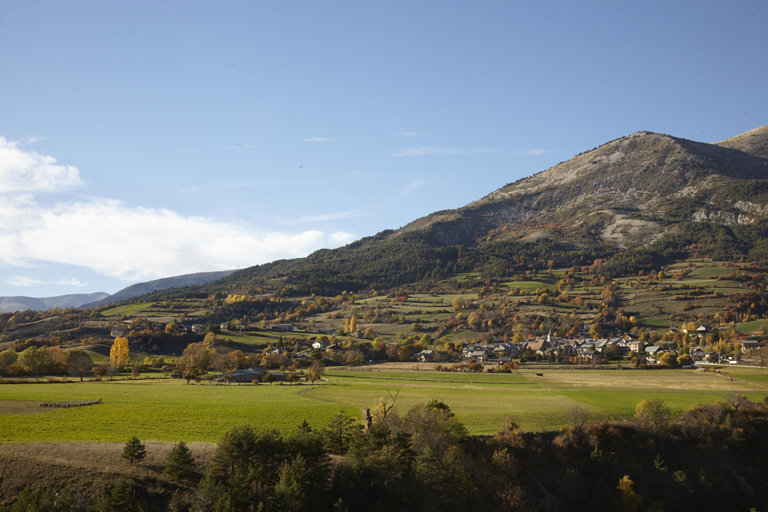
(495, 356)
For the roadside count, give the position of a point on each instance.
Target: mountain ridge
(144, 288)
(72, 300)
(640, 173)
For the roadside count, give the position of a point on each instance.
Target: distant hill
(12, 304)
(160, 284)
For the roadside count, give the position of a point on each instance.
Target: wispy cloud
(410, 134)
(411, 187)
(28, 171)
(324, 217)
(23, 281)
(533, 152)
(30, 140)
(319, 139)
(223, 185)
(240, 146)
(70, 282)
(436, 151)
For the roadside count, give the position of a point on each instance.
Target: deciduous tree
(118, 355)
(198, 354)
(80, 364)
(652, 414)
(8, 357)
(33, 359)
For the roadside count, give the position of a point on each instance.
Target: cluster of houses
(583, 349)
(121, 331)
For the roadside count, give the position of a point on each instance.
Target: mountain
(634, 186)
(12, 304)
(631, 204)
(160, 284)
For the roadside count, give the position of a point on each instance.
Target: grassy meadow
(171, 410)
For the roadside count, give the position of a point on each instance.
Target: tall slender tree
(118, 355)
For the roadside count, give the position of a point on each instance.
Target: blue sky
(147, 139)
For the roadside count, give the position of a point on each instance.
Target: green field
(127, 310)
(530, 286)
(749, 327)
(707, 271)
(171, 410)
(166, 409)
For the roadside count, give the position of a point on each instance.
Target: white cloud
(70, 282)
(119, 240)
(341, 238)
(27, 171)
(433, 151)
(319, 139)
(410, 134)
(240, 146)
(23, 281)
(533, 152)
(133, 243)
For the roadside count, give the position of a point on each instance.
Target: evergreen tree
(338, 435)
(179, 463)
(134, 450)
(119, 498)
(177, 504)
(43, 500)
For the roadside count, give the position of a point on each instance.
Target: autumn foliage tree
(118, 355)
(198, 354)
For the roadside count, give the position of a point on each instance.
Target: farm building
(282, 327)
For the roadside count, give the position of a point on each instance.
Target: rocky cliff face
(629, 189)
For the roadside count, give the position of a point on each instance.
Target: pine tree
(119, 498)
(177, 503)
(134, 450)
(179, 463)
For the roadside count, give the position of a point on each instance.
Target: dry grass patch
(101, 457)
(680, 380)
(409, 366)
(8, 408)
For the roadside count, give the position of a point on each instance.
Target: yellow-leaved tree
(118, 356)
